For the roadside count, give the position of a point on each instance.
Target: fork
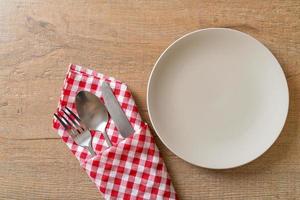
(78, 131)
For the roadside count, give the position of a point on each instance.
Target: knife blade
(117, 114)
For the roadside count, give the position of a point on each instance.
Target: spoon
(92, 113)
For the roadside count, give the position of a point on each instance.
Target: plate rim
(263, 46)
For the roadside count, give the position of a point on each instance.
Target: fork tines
(79, 133)
(73, 123)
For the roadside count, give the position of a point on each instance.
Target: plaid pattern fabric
(133, 167)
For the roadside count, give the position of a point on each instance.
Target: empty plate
(217, 98)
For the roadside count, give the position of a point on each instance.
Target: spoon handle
(107, 139)
(91, 150)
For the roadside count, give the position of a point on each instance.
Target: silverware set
(93, 115)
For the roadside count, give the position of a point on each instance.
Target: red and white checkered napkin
(133, 167)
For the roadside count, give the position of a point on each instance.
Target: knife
(117, 114)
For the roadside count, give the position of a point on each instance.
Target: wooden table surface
(39, 38)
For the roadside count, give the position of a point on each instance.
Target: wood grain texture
(39, 38)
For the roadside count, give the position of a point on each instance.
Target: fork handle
(91, 150)
(107, 139)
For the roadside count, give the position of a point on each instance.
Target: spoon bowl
(92, 112)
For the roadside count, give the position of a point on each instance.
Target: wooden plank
(38, 39)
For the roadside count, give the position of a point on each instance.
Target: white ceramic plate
(217, 98)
